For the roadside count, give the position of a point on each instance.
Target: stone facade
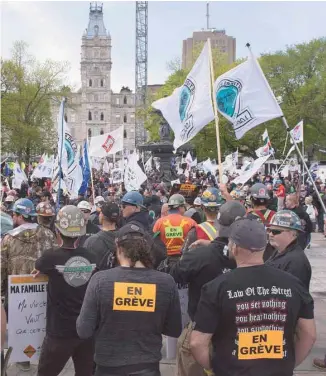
(94, 109)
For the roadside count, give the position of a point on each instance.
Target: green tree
(28, 89)
(297, 75)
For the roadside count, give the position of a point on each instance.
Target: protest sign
(27, 316)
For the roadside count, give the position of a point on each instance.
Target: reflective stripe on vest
(209, 230)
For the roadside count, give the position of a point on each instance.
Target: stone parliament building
(94, 109)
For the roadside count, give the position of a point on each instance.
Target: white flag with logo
(19, 176)
(105, 144)
(297, 133)
(244, 97)
(189, 108)
(148, 165)
(106, 167)
(44, 169)
(96, 163)
(250, 170)
(267, 148)
(134, 176)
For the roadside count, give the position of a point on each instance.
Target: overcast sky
(54, 29)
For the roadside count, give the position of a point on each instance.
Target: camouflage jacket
(22, 246)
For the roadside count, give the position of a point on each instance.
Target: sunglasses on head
(274, 232)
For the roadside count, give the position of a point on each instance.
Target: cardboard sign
(267, 344)
(27, 316)
(188, 191)
(139, 297)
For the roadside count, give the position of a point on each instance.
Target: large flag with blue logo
(244, 97)
(19, 176)
(85, 166)
(68, 159)
(189, 108)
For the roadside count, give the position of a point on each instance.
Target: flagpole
(60, 154)
(303, 162)
(220, 167)
(302, 154)
(286, 142)
(91, 168)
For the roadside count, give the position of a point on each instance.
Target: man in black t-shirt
(260, 319)
(69, 269)
(130, 307)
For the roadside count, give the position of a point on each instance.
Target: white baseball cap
(84, 205)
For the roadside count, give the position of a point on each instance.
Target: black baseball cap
(249, 234)
(130, 231)
(227, 215)
(110, 210)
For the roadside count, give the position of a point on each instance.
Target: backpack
(109, 260)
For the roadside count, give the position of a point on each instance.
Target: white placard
(27, 316)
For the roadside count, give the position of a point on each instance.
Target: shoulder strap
(209, 230)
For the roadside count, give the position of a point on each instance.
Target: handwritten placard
(27, 316)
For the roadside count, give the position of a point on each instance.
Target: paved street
(317, 257)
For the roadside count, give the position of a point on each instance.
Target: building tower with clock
(94, 109)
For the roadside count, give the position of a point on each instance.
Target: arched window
(125, 118)
(89, 132)
(101, 131)
(124, 134)
(125, 100)
(102, 116)
(66, 118)
(90, 83)
(102, 83)
(89, 115)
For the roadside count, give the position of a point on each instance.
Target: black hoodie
(158, 248)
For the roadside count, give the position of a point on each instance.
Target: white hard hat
(10, 198)
(197, 201)
(99, 200)
(84, 205)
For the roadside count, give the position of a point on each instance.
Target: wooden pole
(219, 159)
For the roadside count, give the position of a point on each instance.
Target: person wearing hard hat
(258, 320)
(174, 227)
(283, 232)
(91, 228)
(45, 214)
(133, 212)
(198, 206)
(20, 248)
(69, 269)
(211, 200)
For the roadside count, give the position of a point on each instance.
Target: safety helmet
(84, 205)
(44, 209)
(99, 201)
(133, 198)
(176, 200)
(259, 190)
(25, 207)
(286, 219)
(197, 201)
(212, 197)
(10, 198)
(70, 222)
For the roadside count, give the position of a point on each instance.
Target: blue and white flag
(244, 97)
(84, 163)
(189, 108)
(19, 176)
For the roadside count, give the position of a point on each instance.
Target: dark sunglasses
(86, 211)
(274, 232)
(125, 206)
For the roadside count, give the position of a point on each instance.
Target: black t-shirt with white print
(252, 313)
(69, 271)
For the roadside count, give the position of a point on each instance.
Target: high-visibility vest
(209, 230)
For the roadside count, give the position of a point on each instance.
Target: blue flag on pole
(85, 165)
